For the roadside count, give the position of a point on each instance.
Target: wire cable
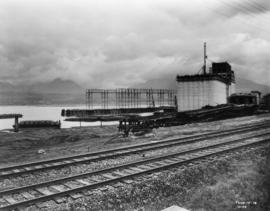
(247, 23)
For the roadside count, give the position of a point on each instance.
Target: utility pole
(204, 58)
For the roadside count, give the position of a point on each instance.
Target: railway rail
(78, 185)
(121, 151)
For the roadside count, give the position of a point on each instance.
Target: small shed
(243, 98)
(266, 101)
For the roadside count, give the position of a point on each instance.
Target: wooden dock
(11, 116)
(113, 111)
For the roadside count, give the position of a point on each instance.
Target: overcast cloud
(118, 43)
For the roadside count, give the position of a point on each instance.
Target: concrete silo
(213, 88)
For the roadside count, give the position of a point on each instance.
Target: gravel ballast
(210, 185)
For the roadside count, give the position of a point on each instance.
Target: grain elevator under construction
(193, 92)
(206, 96)
(213, 88)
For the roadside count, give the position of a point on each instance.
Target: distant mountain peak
(242, 85)
(245, 85)
(57, 85)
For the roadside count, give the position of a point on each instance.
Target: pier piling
(11, 116)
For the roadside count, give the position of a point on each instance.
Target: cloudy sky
(119, 43)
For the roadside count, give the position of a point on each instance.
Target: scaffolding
(129, 98)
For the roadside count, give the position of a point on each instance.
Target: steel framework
(129, 98)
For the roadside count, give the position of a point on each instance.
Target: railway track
(78, 185)
(121, 151)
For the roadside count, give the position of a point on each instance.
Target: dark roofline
(239, 94)
(198, 77)
(224, 62)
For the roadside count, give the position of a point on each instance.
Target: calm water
(42, 113)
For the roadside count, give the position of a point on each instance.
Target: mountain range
(242, 85)
(56, 92)
(52, 87)
(65, 92)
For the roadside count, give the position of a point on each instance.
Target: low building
(266, 101)
(244, 98)
(258, 96)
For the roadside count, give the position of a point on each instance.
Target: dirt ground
(221, 185)
(24, 146)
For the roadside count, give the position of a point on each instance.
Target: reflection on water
(43, 113)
